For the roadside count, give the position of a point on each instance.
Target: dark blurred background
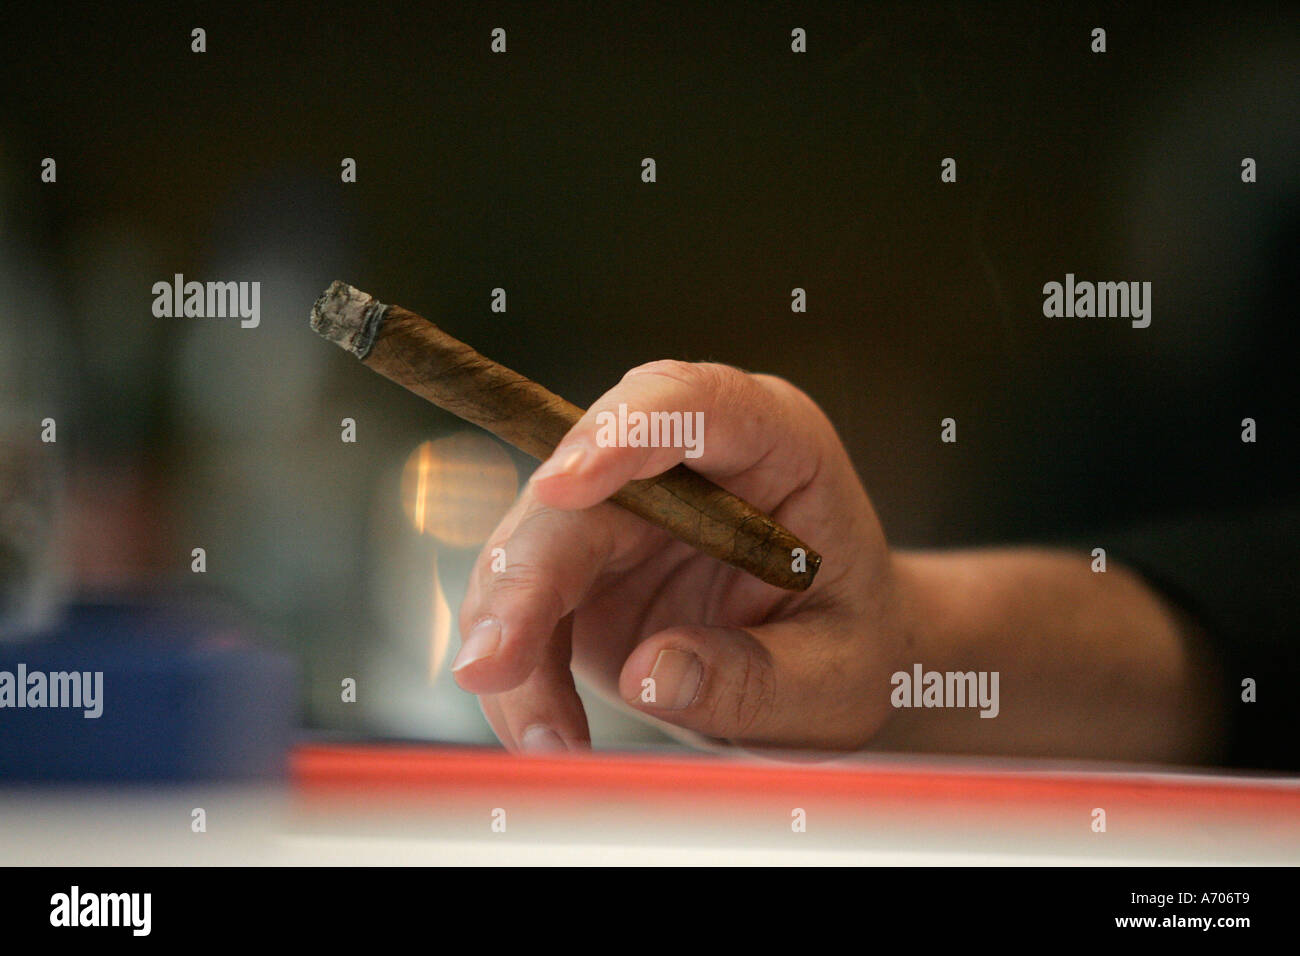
(522, 171)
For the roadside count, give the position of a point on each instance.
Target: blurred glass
(31, 582)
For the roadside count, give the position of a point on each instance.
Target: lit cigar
(422, 358)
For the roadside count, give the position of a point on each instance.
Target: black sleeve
(1237, 575)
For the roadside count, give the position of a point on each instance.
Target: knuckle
(745, 700)
(709, 387)
(524, 579)
(559, 536)
(798, 412)
(791, 397)
(731, 388)
(669, 368)
(756, 694)
(696, 376)
(783, 388)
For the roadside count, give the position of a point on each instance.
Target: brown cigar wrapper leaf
(416, 354)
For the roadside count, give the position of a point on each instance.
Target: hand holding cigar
(593, 584)
(594, 587)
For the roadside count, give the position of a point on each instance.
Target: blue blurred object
(186, 695)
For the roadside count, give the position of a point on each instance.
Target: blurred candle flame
(441, 627)
(455, 489)
(424, 463)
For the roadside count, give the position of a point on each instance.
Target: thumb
(717, 681)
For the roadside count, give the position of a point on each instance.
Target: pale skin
(1092, 665)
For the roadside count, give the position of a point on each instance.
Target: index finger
(717, 419)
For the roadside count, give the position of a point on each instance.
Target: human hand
(590, 589)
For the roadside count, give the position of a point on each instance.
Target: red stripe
(320, 768)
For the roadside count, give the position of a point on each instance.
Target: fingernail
(482, 641)
(562, 462)
(539, 739)
(676, 677)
